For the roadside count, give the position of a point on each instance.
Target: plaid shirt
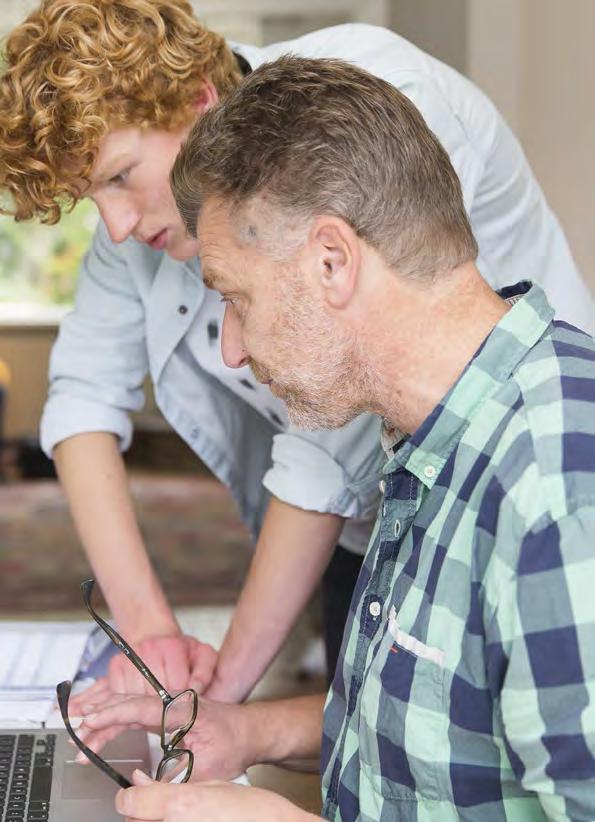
(466, 683)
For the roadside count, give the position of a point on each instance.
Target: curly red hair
(73, 70)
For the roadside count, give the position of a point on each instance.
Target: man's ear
(206, 98)
(338, 258)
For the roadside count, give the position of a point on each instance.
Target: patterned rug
(197, 543)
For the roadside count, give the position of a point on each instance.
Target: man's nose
(120, 217)
(232, 343)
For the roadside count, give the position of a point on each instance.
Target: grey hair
(322, 136)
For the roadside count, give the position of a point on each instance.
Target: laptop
(41, 782)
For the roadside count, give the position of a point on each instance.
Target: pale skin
(209, 801)
(226, 741)
(131, 190)
(414, 340)
(106, 524)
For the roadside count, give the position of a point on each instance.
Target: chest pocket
(403, 734)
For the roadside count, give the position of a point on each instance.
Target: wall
(266, 21)
(26, 351)
(254, 21)
(493, 53)
(535, 58)
(557, 116)
(437, 26)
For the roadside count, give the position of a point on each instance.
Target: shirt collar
(425, 452)
(243, 64)
(252, 55)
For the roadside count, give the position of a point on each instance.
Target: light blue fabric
(127, 321)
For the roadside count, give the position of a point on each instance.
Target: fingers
(176, 664)
(96, 740)
(203, 661)
(166, 656)
(148, 802)
(177, 661)
(123, 678)
(121, 712)
(141, 778)
(109, 700)
(126, 710)
(94, 693)
(104, 700)
(214, 801)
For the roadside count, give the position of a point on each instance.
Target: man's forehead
(214, 230)
(214, 215)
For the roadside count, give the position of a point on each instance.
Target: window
(39, 263)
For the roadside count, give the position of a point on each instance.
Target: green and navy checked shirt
(466, 683)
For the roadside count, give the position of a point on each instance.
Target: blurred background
(534, 58)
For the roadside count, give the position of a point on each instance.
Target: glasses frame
(170, 749)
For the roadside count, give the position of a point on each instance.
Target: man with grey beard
(331, 221)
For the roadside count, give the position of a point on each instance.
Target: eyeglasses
(179, 713)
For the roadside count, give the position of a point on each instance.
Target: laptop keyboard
(26, 763)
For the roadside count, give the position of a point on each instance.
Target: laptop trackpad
(125, 753)
(86, 782)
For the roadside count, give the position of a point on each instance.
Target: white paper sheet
(34, 657)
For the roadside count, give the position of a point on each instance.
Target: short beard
(329, 390)
(303, 413)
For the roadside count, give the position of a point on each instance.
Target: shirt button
(430, 471)
(182, 309)
(397, 528)
(382, 486)
(375, 609)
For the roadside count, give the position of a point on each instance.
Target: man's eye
(229, 300)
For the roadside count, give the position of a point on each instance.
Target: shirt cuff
(66, 416)
(306, 476)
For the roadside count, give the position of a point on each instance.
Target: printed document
(34, 657)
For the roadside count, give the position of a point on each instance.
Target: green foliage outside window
(40, 263)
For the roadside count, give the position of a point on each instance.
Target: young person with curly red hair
(96, 99)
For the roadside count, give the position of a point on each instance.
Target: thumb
(197, 685)
(140, 778)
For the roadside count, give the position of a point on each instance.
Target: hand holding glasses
(179, 713)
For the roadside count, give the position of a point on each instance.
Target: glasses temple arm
(121, 643)
(63, 693)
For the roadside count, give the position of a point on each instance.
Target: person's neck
(424, 337)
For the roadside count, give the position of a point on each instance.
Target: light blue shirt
(127, 321)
